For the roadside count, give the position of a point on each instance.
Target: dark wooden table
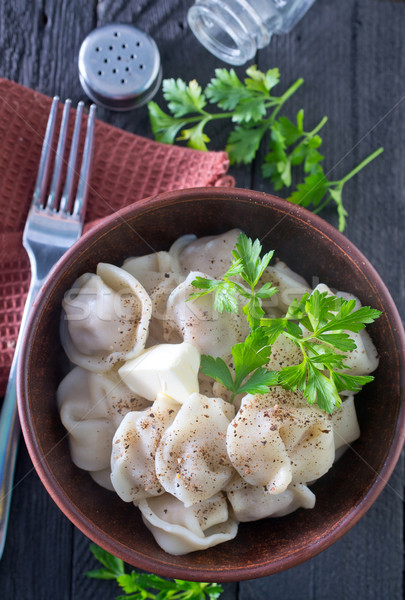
(351, 54)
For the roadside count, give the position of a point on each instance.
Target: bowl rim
(339, 528)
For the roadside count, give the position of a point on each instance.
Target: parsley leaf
(196, 137)
(244, 141)
(225, 293)
(183, 99)
(226, 89)
(165, 127)
(139, 586)
(249, 375)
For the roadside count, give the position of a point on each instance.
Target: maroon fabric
(126, 168)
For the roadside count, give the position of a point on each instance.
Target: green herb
(322, 339)
(254, 111)
(317, 324)
(316, 186)
(249, 357)
(250, 267)
(144, 586)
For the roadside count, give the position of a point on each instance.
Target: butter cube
(170, 369)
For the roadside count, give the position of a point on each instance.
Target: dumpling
(133, 450)
(199, 324)
(345, 426)
(191, 459)
(364, 359)
(290, 285)
(170, 369)
(179, 530)
(159, 274)
(141, 267)
(106, 318)
(284, 353)
(250, 503)
(211, 255)
(91, 407)
(272, 444)
(103, 478)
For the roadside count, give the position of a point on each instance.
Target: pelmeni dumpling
(158, 285)
(103, 478)
(345, 426)
(191, 459)
(284, 353)
(250, 503)
(290, 285)
(211, 255)
(170, 369)
(106, 318)
(364, 359)
(179, 530)
(198, 323)
(272, 444)
(133, 450)
(91, 407)
(159, 274)
(159, 262)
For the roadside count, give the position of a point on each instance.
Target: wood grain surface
(351, 54)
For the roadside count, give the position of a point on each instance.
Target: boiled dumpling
(106, 318)
(345, 426)
(272, 444)
(191, 459)
(250, 503)
(141, 267)
(198, 323)
(91, 407)
(211, 255)
(159, 273)
(284, 353)
(179, 530)
(134, 447)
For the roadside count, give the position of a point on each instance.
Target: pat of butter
(170, 369)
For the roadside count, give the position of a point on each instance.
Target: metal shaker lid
(119, 66)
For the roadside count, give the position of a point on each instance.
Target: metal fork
(52, 226)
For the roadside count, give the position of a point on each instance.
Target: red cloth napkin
(126, 168)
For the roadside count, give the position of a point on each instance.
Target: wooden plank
(37, 558)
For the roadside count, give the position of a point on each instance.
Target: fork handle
(10, 425)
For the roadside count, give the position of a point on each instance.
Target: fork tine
(52, 202)
(82, 189)
(44, 164)
(67, 195)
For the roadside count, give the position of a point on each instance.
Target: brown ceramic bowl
(343, 495)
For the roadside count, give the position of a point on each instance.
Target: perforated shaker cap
(119, 66)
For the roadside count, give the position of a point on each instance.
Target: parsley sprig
(250, 376)
(318, 324)
(250, 267)
(253, 109)
(146, 586)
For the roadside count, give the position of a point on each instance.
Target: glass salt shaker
(234, 30)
